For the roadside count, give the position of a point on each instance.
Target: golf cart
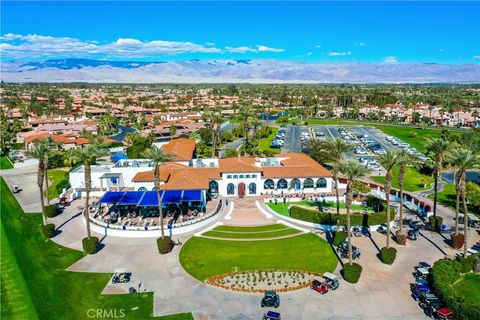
(331, 280)
(121, 276)
(426, 300)
(271, 315)
(343, 250)
(444, 314)
(357, 231)
(270, 299)
(421, 273)
(318, 286)
(418, 290)
(16, 189)
(423, 265)
(382, 228)
(412, 234)
(366, 231)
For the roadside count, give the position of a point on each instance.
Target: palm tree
(158, 157)
(404, 159)
(39, 152)
(388, 161)
(462, 159)
(69, 158)
(88, 156)
(438, 148)
(246, 112)
(334, 149)
(352, 171)
(50, 146)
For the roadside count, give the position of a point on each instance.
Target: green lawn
(264, 144)
(414, 180)
(204, 258)
(270, 227)
(469, 287)
(5, 163)
(400, 132)
(37, 270)
(58, 180)
(251, 235)
(283, 208)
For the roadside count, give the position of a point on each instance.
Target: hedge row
(327, 218)
(444, 274)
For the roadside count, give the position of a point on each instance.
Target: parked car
(412, 234)
(272, 315)
(270, 299)
(331, 280)
(319, 286)
(444, 314)
(357, 230)
(16, 188)
(382, 228)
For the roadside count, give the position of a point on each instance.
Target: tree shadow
(378, 255)
(70, 219)
(433, 243)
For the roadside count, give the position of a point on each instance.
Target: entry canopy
(150, 198)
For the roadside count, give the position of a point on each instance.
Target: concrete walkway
(26, 178)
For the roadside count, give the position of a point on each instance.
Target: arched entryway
(241, 190)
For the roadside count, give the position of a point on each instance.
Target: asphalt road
(292, 140)
(231, 145)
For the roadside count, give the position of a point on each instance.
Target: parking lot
(368, 141)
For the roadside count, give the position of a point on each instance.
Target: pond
(473, 175)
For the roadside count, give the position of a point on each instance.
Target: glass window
(235, 176)
(321, 183)
(230, 188)
(252, 188)
(282, 184)
(229, 176)
(295, 184)
(308, 183)
(241, 176)
(269, 184)
(247, 176)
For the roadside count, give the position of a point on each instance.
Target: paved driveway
(25, 178)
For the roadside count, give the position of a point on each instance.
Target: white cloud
(38, 46)
(441, 50)
(390, 59)
(318, 46)
(268, 49)
(477, 56)
(335, 53)
(309, 53)
(362, 44)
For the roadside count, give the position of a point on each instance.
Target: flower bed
(261, 280)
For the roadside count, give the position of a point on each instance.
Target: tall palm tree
(462, 159)
(437, 148)
(246, 112)
(334, 149)
(158, 157)
(88, 156)
(352, 171)
(404, 159)
(39, 152)
(50, 146)
(388, 161)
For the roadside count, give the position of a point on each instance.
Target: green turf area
(264, 144)
(40, 264)
(282, 208)
(251, 235)
(469, 287)
(413, 181)
(5, 163)
(58, 180)
(204, 258)
(270, 227)
(401, 132)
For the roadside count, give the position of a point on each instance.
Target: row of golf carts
(322, 285)
(423, 294)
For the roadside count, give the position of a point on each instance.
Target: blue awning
(131, 198)
(112, 197)
(192, 195)
(150, 199)
(172, 196)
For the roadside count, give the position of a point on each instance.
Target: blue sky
(438, 32)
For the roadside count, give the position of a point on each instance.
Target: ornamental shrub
(164, 245)
(331, 218)
(352, 272)
(388, 255)
(339, 237)
(436, 222)
(457, 240)
(50, 211)
(90, 245)
(48, 230)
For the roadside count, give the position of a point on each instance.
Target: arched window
(269, 184)
(282, 184)
(230, 188)
(295, 184)
(252, 188)
(213, 187)
(142, 189)
(321, 183)
(308, 183)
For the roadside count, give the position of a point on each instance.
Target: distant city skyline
(373, 32)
